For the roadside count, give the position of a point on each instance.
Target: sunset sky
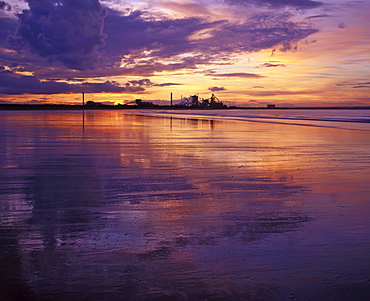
(247, 52)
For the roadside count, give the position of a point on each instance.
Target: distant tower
(83, 98)
(171, 99)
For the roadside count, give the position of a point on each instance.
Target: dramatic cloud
(140, 41)
(137, 43)
(5, 6)
(14, 84)
(137, 32)
(239, 74)
(112, 46)
(262, 31)
(7, 27)
(68, 31)
(216, 89)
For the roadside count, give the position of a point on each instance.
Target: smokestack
(83, 98)
(171, 99)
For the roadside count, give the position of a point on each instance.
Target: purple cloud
(361, 86)
(216, 89)
(5, 6)
(136, 32)
(14, 84)
(67, 31)
(7, 26)
(69, 35)
(138, 41)
(268, 65)
(131, 36)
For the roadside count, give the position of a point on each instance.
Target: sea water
(185, 205)
(338, 118)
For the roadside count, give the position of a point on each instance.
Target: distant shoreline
(34, 107)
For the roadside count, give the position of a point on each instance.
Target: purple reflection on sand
(127, 207)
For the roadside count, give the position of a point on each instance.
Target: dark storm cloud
(68, 31)
(139, 41)
(136, 44)
(138, 31)
(216, 89)
(239, 74)
(7, 27)
(261, 31)
(139, 36)
(5, 6)
(14, 84)
(128, 39)
(169, 38)
(354, 85)
(11, 83)
(298, 4)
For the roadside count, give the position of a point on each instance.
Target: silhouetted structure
(206, 103)
(141, 103)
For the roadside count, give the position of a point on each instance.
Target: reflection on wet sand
(108, 206)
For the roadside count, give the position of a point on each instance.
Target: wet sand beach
(108, 205)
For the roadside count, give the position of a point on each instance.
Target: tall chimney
(171, 99)
(83, 98)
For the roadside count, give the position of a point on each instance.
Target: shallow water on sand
(104, 205)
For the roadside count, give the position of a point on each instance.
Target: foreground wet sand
(108, 206)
